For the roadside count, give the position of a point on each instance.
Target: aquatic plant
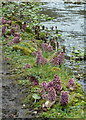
(64, 98)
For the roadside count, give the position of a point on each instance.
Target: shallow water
(69, 18)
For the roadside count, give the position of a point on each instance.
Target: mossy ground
(21, 54)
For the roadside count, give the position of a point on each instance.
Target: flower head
(17, 35)
(3, 30)
(16, 39)
(71, 84)
(44, 85)
(58, 59)
(4, 21)
(34, 80)
(27, 66)
(50, 48)
(40, 59)
(12, 31)
(50, 84)
(64, 98)
(34, 53)
(57, 84)
(47, 47)
(51, 94)
(9, 22)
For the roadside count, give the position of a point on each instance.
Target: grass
(17, 58)
(75, 108)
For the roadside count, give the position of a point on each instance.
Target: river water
(69, 18)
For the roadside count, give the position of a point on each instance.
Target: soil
(12, 106)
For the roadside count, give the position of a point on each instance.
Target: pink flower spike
(50, 48)
(51, 94)
(71, 84)
(44, 85)
(64, 98)
(16, 39)
(27, 66)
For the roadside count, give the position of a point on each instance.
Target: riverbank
(28, 49)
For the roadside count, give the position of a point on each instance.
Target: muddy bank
(12, 93)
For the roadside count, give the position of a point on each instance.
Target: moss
(30, 46)
(24, 50)
(55, 69)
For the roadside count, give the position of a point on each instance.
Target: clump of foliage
(58, 59)
(23, 38)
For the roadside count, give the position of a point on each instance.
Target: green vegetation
(20, 54)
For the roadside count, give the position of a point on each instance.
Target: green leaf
(35, 96)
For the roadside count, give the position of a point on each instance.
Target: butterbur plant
(12, 31)
(3, 30)
(50, 84)
(4, 21)
(16, 39)
(71, 84)
(64, 98)
(47, 47)
(44, 85)
(51, 94)
(17, 35)
(50, 48)
(44, 46)
(34, 80)
(9, 22)
(34, 53)
(58, 59)
(40, 59)
(57, 84)
(61, 57)
(27, 66)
